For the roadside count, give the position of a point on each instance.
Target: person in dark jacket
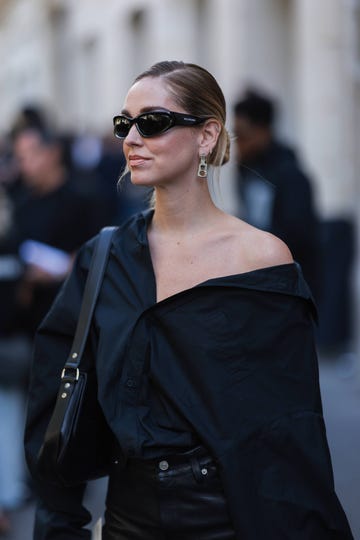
(276, 193)
(49, 219)
(202, 340)
(50, 210)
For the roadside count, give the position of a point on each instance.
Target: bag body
(78, 442)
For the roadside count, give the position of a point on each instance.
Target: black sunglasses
(150, 124)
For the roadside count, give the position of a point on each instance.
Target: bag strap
(91, 292)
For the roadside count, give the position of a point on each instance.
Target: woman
(204, 350)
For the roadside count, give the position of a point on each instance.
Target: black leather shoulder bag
(78, 442)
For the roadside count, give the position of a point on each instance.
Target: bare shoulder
(270, 250)
(257, 248)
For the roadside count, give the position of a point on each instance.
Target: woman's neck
(183, 211)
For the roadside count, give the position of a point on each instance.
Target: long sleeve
(60, 514)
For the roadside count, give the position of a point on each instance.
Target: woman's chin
(138, 180)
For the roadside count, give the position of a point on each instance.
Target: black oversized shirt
(231, 360)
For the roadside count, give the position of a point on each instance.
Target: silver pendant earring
(203, 167)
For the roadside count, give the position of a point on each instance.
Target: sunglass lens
(121, 126)
(154, 123)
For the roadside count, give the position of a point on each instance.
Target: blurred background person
(46, 217)
(31, 116)
(93, 163)
(49, 209)
(275, 192)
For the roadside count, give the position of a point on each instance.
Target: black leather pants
(172, 498)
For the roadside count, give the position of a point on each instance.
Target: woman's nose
(133, 137)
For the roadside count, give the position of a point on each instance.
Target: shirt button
(204, 471)
(130, 383)
(163, 465)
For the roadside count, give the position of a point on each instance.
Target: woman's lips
(135, 161)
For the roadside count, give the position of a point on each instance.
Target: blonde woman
(203, 345)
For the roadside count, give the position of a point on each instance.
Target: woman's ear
(209, 135)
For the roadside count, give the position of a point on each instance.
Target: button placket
(134, 365)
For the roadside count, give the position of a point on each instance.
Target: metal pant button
(163, 465)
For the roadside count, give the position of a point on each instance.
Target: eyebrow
(144, 110)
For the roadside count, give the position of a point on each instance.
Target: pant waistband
(199, 453)
(196, 460)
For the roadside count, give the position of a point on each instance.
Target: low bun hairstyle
(198, 92)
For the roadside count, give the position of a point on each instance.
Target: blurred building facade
(77, 57)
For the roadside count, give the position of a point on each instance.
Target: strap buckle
(64, 374)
